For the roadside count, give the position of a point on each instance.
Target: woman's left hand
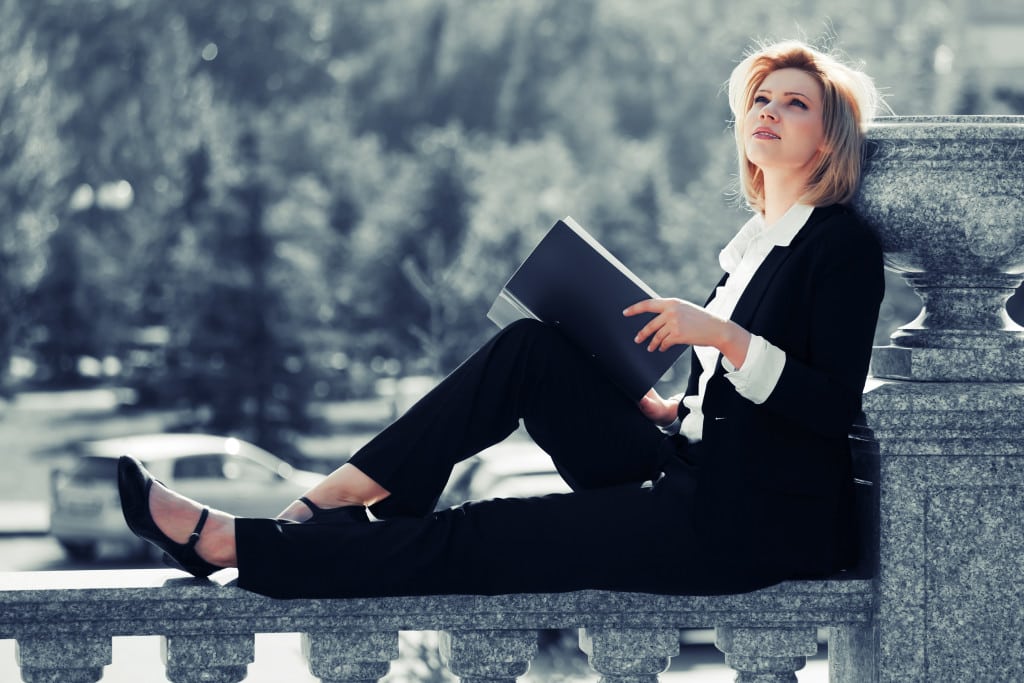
(660, 411)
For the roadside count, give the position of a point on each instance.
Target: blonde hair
(850, 101)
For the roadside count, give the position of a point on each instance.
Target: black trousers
(611, 532)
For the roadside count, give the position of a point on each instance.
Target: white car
(223, 472)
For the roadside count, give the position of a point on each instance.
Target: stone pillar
(350, 657)
(488, 656)
(951, 547)
(208, 658)
(629, 655)
(947, 407)
(64, 659)
(766, 655)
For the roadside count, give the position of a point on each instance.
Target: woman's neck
(780, 194)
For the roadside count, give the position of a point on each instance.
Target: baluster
(488, 656)
(766, 655)
(851, 654)
(213, 658)
(65, 660)
(629, 655)
(350, 657)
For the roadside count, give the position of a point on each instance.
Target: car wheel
(82, 551)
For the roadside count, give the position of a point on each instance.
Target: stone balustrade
(63, 623)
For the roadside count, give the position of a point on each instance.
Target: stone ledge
(148, 602)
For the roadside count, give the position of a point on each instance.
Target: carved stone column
(68, 660)
(212, 658)
(350, 657)
(629, 655)
(488, 656)
(766, 655)
(946, 197)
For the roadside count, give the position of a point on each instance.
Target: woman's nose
(768, 112)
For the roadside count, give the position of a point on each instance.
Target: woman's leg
(596, 436)
(628, 537)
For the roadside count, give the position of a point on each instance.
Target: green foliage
(310, 188)
(31, 154)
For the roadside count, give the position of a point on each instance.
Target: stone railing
(64, 621)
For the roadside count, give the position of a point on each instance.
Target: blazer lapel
(754, 292)
(752, 295)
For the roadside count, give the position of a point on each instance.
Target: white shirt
(761, 369)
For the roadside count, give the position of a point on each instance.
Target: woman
(742, 481)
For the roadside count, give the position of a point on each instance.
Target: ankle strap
(313, 507)
(194, 538)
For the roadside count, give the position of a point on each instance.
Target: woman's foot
(177, 517)
(193, 537)
(345, 487)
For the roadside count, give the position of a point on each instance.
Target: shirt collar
(787, 227)
(780, 233)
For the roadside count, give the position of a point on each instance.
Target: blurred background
(239, 210)
(282, 220)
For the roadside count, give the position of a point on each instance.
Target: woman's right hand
(660, 411)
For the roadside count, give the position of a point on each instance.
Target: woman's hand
(658, 410)
(681, 322)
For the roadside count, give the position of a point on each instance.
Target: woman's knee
(536, 334)
(526, 327)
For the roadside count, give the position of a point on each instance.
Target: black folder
(574, 283)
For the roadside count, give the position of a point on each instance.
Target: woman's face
(784, 129)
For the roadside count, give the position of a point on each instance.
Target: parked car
(514, 473)
(224, 472)
(513, 468)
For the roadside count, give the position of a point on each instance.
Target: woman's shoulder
(838, 225)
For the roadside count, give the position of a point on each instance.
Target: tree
(31, 156)
(237, 344)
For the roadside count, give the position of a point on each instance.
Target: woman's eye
(760, 99)
(799, 103)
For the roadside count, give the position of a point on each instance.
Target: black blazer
(774, 489)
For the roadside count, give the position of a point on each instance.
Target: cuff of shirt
(672, 428)
(760, 372)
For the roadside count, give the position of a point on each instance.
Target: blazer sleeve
(826, 365)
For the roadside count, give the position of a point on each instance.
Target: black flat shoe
(134, 483)
(345, 513)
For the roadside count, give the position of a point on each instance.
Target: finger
(645, 331)
(652, 327)
(645, 306)
(657, 339)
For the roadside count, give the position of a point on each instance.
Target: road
(42, 553)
